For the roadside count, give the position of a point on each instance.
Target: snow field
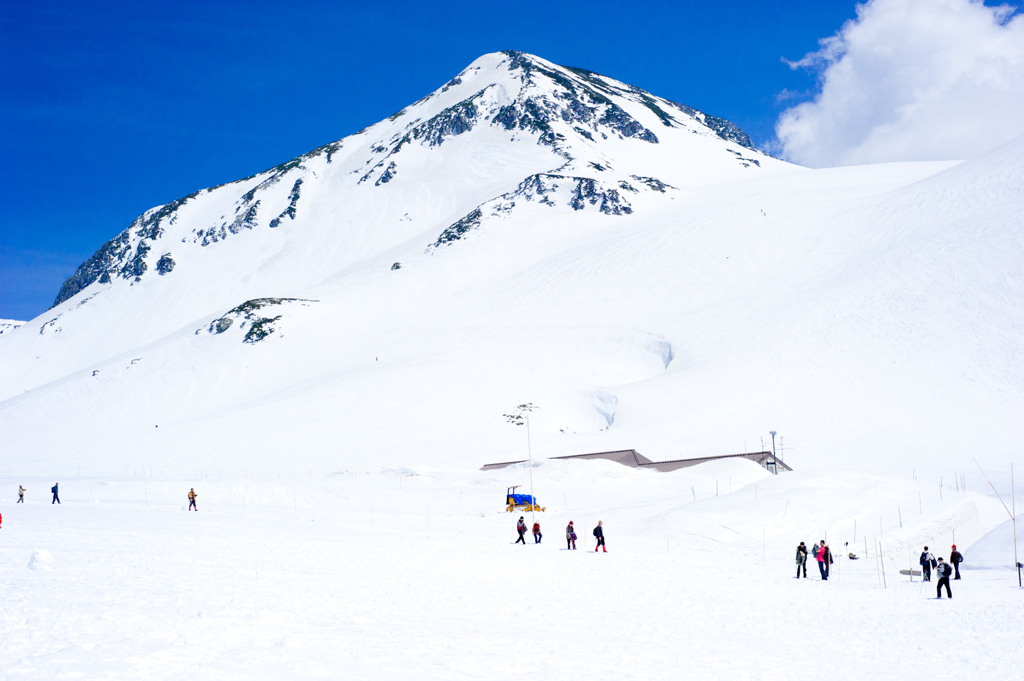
(411, 573)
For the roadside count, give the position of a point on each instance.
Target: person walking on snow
(955, 557)
(536, 533)
(801, 560)
(927, 562)
(599, 533)
(570, 537)
(521, 529)
(192, 500)
(21, 496)
(944, 571)
(56, 499)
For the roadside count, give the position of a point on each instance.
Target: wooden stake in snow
(878, 568)
(1013, 501)
(1013, 515)
(882, 561)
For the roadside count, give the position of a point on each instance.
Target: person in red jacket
(536, 533)
(824, 557)
(521, 529)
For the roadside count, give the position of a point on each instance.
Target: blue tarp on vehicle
(523, 499)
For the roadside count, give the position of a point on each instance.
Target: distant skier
(570, 537)
(521, 529)
(955, 558)
(801, 560)
(927, 561)
(192, 500)
(537, 536)
(944, 571)
(21, 496)
(599, 533)
(56, 499)
(824, 557)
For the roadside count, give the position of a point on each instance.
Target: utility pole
(775, 461)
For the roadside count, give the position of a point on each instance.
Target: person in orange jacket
(192, 500)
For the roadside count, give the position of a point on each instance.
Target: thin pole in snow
(716, 488)
(1013, 501)
(878, 568)
(880, 560)
(901, 516)
(785, 509)
(880, 533)
(957, 479)
(910, 563)
(940, 489)
(529, 452)
(694, 493)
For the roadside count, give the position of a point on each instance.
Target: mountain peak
(530, 129)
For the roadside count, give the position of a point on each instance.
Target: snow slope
(535, 233)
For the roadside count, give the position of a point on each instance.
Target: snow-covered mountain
(531, 232)
(7, 325)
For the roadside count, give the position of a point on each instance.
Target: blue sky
(110, 108)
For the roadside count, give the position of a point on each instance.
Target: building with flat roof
(634, 459)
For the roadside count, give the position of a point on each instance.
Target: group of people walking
(929, 562)
(56, 497)
(820, 553)
(570, 535)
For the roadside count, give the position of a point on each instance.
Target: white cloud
(911, 80)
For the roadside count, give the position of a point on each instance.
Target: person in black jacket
(56, 499)
(944, 571)
(801, 560)
(521, 529)
(955, 558)
(927, 561)
(599, 533)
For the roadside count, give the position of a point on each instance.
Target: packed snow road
(413, 574)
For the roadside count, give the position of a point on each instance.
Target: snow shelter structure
(634, 459)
